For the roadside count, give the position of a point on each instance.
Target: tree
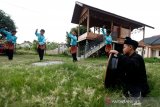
(34, 45)
(82, 30)
(6, 21)
(51, 45)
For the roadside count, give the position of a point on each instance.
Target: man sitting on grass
(132, 66)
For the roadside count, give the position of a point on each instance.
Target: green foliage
(18, 47)
(152, 60)
(51, 45)
(68, 40)
(25, 52)
(6, 21)
(34, 45)
(83, 29)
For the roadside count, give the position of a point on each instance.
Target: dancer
(41, 43)
(108, 40)
(73, 44)
(10, 42)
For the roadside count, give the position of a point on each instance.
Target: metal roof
(154, 40)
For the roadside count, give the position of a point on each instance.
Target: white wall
(139, 51)
(147, 51)
(157, 53)
(150, 53)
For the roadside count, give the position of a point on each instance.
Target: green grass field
(70, 84)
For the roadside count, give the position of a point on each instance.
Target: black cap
(129, 41)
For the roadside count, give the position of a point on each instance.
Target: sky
(55, 16)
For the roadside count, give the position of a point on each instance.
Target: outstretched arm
(104, 33)
(133, 63)
(67, 33)
(113, 52)
(36, 32)
(71, 36)
(4, 31)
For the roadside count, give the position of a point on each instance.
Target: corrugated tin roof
(154, 40)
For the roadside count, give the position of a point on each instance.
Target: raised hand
(66, 32)
(36, 31)
(113, 51)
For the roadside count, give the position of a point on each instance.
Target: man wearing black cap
(132, 66)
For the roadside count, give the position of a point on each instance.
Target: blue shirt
(73, 39)
(9, 36)
(41, 38)
(108, 38)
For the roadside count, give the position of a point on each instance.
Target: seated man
(132, 66)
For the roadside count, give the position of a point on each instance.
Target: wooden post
(86, 45)
(120, 31)
(143, 41)
(79, 29)
(78, 52)
(130, 31)
(111, 26)
(98, 30)
(88, 19)
(113, 44)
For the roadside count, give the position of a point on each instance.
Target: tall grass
(70, 84)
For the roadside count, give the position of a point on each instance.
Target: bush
(152, 60)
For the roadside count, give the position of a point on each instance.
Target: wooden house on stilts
(95, 18)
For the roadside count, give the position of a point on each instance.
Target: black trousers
(9, 53)
(41, 53)
(74, 56)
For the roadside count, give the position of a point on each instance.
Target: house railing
(91, 48)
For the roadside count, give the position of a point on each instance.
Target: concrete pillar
(150, 52)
